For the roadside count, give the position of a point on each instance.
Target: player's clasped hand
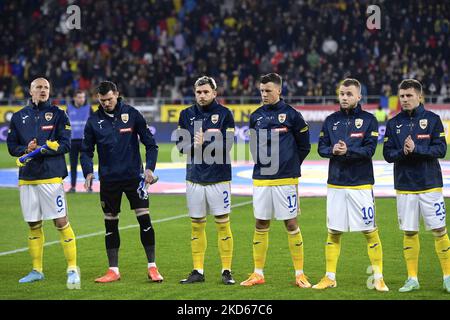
(409, 145)
(198, 139)
(340, 148)
(148, 174)
(32, 145)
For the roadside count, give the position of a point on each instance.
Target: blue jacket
(212, 119)
(43, 122)
(294, 145)
(359, 130)
(78, 117)
(117, 144)
(420, 170)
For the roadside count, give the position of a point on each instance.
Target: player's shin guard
(442, 246)
(147, 235)
(112, 241)
(411, 249)
(260, 245)
(36, 246)
(67, 239)
(225, 242)
(295, 241)
(375, 251)
(332, 251)
(198, 242)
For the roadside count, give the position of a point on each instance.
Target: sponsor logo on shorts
(225, 239)
(126, 130)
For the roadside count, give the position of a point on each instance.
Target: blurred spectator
(158, 48)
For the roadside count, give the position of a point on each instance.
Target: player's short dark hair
(347, 82)
(271, 77)
(206, 80)
(411, 83)
(106, 86)
(78, 91)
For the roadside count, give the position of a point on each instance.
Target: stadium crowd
(158, 48)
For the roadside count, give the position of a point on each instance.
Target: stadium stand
(157, 48)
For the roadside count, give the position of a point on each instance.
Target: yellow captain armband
(386, 139)
(321, 134)
(442, 134)
(374, 134)
(230, 129)
(67, 127)
(52, 145)
(304, 129)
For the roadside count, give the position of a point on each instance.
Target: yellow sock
(198, 243)
(260, 245)
(411, 248)
(375, 251)
(332, 251)
(67, 239)
(36, 246)
(225, 242)
(442, 245)
(295, 240)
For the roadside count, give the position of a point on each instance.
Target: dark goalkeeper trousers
(75, 149)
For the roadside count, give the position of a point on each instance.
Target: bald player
(40, 179)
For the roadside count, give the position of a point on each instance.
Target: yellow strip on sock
(198, 243)
(332, 251)
(36, 247)
(375, 251)
(296, 247)
(260, 245)
(68, 242)
(225, 243)
(411, 249)
(442, 246)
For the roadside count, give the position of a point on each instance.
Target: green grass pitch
(172, 228)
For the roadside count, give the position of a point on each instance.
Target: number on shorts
(367, 214)
(59, 201)
(440, 208)
(292, 201)
(225, 199)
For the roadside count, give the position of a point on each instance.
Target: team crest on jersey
(358, 123)
(214, 118)
(48, 116)
(124, 117)
(423, 123)
(282, 117)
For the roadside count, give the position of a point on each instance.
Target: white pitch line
(122, 228)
